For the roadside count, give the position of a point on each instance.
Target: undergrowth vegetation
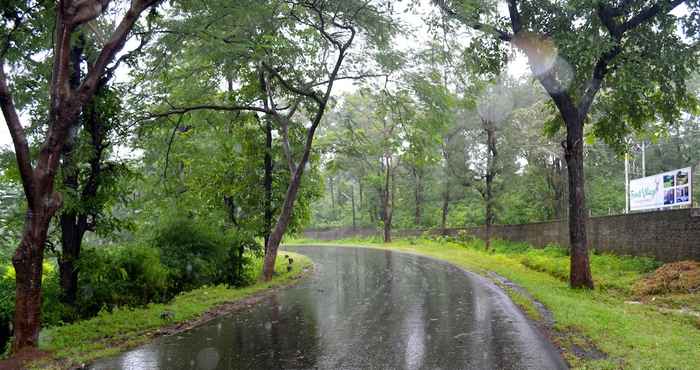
(110, 332)
(181, 255)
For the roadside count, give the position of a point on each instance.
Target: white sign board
(663, 190)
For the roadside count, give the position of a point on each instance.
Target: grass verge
(110, 333)
(632, 336)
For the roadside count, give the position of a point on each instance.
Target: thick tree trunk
(580, 271)
(28, 262)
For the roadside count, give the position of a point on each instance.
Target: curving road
(363, 308)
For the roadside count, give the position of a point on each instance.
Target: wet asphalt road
(362, 308)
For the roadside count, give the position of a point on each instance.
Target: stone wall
(670, 235)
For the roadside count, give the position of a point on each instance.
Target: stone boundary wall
(670, 235)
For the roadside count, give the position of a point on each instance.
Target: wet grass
(633, 336)
(110, 333)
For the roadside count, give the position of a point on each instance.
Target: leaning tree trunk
(580, 272)
(281, 226)
(267, 181)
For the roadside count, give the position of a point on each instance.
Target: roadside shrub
(241, 251)
(130, 275)
(506, 247)
(557, 267)
(192, 252)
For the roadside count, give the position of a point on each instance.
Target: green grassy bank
(109, 333)
(632, 336)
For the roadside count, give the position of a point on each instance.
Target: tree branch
(214, 107)
(111, 47)
(307, 93)
(649, 13)
(19, 138)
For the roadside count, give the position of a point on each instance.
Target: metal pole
(644, 161)
(627, 183)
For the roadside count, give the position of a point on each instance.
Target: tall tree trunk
(387, 211)
(267, 185)
(580, 271)
(330, 183)
(71, 235)
(418, 196)
(71, 242)
(360, 191)
(490, 175)
(75, 224)
(352, 200)
(28, 262)
(446, 178)
(445, 210)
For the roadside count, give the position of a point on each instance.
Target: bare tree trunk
(580, 271)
